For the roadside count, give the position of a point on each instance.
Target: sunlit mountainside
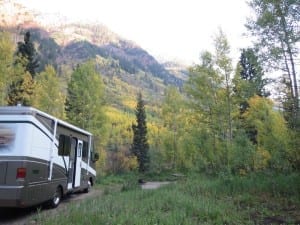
(64, 44)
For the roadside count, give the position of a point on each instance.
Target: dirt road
(11, 216)
(153, 185)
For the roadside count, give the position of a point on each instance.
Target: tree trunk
(291, 71)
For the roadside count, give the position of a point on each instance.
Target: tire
(88, 189)
(56, 199)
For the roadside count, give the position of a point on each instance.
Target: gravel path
(153, 185)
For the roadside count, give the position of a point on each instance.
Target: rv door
(78, 159)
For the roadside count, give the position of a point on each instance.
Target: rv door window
(85, 150)
(79, 150)
(64, 146)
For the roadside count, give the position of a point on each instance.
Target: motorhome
(42, 158)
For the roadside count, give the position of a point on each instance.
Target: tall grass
(195, 200)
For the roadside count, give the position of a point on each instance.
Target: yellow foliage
(242, 172)
(116, 116)
(101, 162)
(261, 158)
(131, 104)
(129, 163)
(121, 161)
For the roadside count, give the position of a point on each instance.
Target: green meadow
(193, 199)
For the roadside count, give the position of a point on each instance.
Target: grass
(255, 199)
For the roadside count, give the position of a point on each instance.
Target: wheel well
(92, 181)
(61, 189)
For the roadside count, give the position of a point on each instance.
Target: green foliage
(276, 30)
(243, 154)
(249, 80)
(140, 146)
(211, 109)
(224, 68)
(238, 131)
(294, 152)
(85, 103)
(6, 64)
(21, 84)
(173, 118)
(21, 88)
(85, 99)
(271, 134)
(48, 93)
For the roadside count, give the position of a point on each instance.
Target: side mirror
(96, 157)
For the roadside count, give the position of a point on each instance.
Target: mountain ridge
(73, 43)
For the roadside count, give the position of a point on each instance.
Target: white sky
(172, 29)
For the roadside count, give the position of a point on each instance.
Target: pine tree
(26, 50)
(250, 81)
(21, 87)
(140, 146)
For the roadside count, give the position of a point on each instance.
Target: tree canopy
(85, 98)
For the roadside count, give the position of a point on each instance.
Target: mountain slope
(125, 67)
(73, 43)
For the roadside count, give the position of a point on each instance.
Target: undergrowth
(197, 199)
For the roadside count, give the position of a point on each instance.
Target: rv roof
(24, 110)
(19, 110)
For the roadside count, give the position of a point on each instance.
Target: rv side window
(85, 150)
(64, 146)
(92, 151)
(47, 122)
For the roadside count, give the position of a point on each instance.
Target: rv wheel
(54, 202)
(87, 190)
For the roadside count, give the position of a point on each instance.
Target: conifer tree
(249, 82)
(27, 51)
(21, 87)
(249, 79)
(140, 146)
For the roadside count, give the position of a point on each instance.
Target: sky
(167, 29)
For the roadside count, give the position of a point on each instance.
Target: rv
(42, 158)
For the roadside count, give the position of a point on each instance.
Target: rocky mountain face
(61, 43)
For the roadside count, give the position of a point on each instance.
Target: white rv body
(42, 158)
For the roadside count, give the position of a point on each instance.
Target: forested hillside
(217, 117)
